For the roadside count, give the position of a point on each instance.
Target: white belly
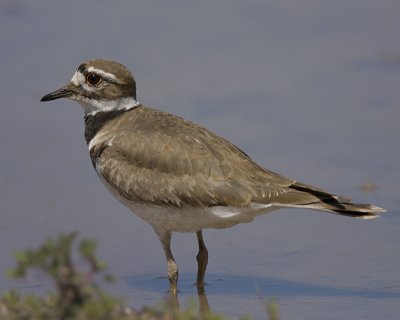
(192, 219)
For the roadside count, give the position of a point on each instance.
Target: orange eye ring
(93, 79)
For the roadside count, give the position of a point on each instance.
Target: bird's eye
(93, 79)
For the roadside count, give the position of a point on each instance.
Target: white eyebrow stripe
(102, 73)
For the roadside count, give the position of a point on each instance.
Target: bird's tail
(355, 210)
(318, 199)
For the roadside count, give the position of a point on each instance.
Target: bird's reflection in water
(204, 307)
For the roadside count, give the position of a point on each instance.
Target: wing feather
(163, 159)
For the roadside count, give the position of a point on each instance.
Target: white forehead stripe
(78, 78)
(101, 73)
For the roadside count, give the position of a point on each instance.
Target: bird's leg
(202, 260)
(165, 238)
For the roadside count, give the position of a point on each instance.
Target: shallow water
(308, 89)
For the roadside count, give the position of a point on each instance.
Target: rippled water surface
(309, 89)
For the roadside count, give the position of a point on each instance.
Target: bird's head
(99, 85)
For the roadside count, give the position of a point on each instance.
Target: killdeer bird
(176, 175)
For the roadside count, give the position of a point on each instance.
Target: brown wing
(160, 158)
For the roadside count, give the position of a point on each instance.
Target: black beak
(63, 92)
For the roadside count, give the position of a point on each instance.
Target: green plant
(78, 296)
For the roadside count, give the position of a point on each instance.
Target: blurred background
(309, 89)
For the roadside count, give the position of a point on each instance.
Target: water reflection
(222, 284)
(228, 293)
(204, 307)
